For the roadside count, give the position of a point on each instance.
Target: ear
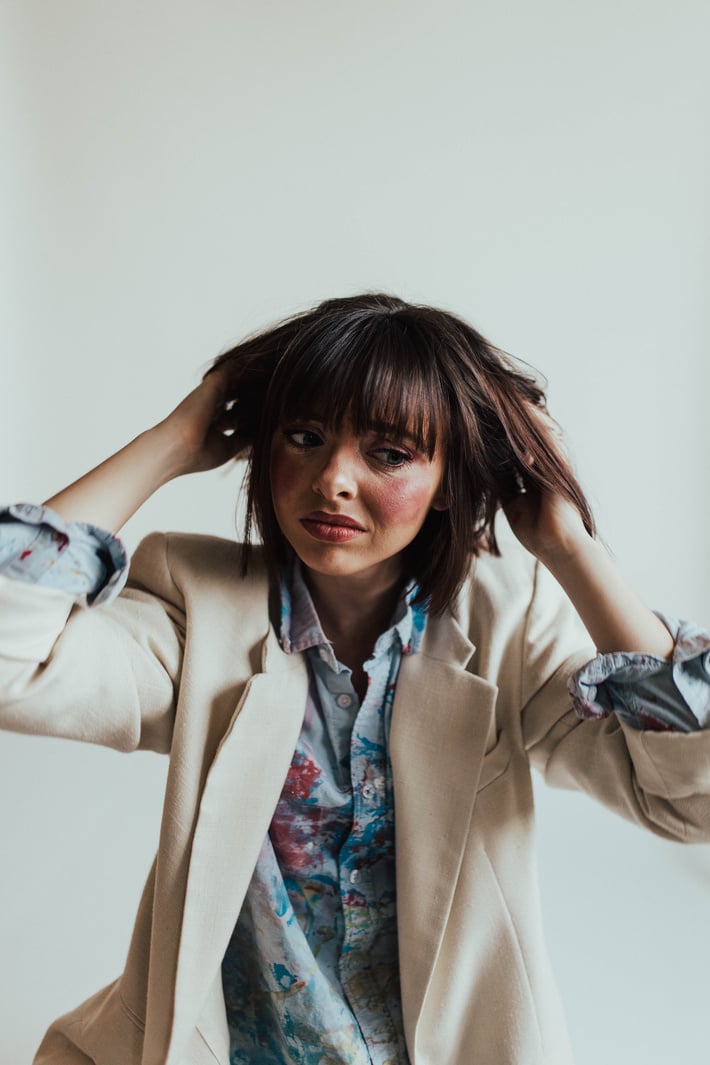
(439, 501)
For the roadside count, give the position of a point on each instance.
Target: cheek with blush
(403, 502)
(282, 474)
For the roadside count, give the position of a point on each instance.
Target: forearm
(200, 434)
(613, 614)
(109, 494)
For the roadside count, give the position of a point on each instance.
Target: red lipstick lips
(331, 528)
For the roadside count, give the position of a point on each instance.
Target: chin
(336, 563)
(323, 562)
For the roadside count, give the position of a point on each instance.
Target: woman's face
(349, 504)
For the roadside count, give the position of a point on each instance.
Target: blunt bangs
(377, 372)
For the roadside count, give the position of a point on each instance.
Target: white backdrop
(181, 173)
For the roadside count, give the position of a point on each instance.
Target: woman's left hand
(546, 523)
(551, 528)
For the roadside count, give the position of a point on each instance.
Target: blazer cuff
(673, 765)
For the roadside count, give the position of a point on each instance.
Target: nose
(336, 478)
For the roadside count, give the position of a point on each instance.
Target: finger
(224, 446)
(226, 418)
(221, 383)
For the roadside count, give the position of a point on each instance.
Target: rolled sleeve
(647, 692)
(38, 547)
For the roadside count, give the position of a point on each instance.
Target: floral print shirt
(311, 974)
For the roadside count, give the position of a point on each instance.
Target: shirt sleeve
(37, 547)
(648, 692)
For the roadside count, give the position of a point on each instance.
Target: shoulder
(510, 606)
(193, 566)
(484, 626)
(498, 585)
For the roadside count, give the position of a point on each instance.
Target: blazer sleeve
(660, 780)
(103, 674)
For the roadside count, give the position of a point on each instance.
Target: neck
(352, 609)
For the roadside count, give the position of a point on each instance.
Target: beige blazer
(186, 661)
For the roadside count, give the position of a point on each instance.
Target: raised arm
(629, 728)
(191, 439)
(613, 614)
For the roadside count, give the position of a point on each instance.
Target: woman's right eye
(303, 438)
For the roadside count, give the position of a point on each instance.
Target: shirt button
(354, 876)
(368, 790)
(344, 700)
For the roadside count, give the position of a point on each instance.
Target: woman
(346, 869)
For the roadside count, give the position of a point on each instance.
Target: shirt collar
(301, 628)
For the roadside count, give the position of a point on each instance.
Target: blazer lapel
(441, 720)
(241, 791)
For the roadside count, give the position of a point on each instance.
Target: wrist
(614, 616)
(166, 453)
(570, 552)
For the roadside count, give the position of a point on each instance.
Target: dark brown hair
(426, 374)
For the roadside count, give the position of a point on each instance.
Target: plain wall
(177, 174)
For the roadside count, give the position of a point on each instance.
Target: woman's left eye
(392, 456)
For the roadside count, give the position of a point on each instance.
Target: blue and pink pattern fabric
(311, 974)
(38, 547)
(647, 691)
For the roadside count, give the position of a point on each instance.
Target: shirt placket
(364, 874)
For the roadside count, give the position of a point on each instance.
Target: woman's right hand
(202, 431)
(192, 438)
